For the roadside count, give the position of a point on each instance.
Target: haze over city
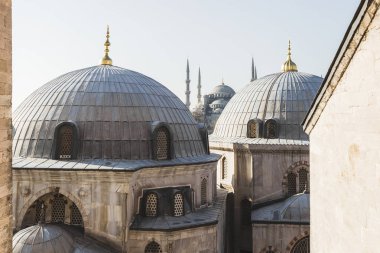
(156, 37)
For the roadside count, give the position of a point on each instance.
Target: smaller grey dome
(295, 209)
(43, 238)
(222, 90)
(219, 102)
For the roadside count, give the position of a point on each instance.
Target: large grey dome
(113, 109)
(284, 97)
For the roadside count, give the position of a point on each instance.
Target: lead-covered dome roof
(114, 110)
(222, 90)
(43, 238)
(294, 209)
(284, 97)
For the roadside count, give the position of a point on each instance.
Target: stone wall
(107, 200)
(258, 174)
(345, 154)
(5, 126)
(194, 240)
(277, 237)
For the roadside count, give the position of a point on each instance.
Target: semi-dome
(284, 98)
(295, 209)
(43, 238)
(114, 111)
(222, 90)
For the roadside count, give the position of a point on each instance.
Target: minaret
(187, 85)
(199, 86)
(253, 70)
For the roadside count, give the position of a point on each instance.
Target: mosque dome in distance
(222, 90)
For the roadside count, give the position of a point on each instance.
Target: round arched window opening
(161, 145)
(302, 246)
(153, 247)
(53, 208)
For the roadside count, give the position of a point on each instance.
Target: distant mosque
(212, 106)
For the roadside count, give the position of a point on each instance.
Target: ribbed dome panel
(113, 109)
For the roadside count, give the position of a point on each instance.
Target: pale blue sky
(155, 37)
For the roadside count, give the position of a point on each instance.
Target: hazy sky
(155, 37)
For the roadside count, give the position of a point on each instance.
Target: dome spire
(289, 65)
(106, 60)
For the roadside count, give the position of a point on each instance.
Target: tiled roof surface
(106, 164)
(293, 209)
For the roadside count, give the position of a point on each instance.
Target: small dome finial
(289, 65)
(106, 60)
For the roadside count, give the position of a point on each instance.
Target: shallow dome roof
(43, 238)
(285, 97)
(219, 102)
(113, 109)
(222, 90)
(293, 209)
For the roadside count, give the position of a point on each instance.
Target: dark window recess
(271, 129)
(178, 204)
(58, 212)
(302, 246)
(40, 211)
(76, 217)
(162, 144)
(245, 207)
(151, 205)
(65, 142)
(203, 191)
(292, 184)
(224, 168)
(303, 180)
(153, 247)
(252, 129)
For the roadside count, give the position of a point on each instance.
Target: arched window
(58, 210)
(252, 131)
(76, 217)
(302, 246)
(292, 183)
(65, 142)
(203, 191)
(153, 247)
(162, 143)
(224, 168)
(151, 205)
(178, 204)
(270, 129)
(303, 180)
(40, 211)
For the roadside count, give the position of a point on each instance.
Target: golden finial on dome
(106, 60)
(289, 65)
